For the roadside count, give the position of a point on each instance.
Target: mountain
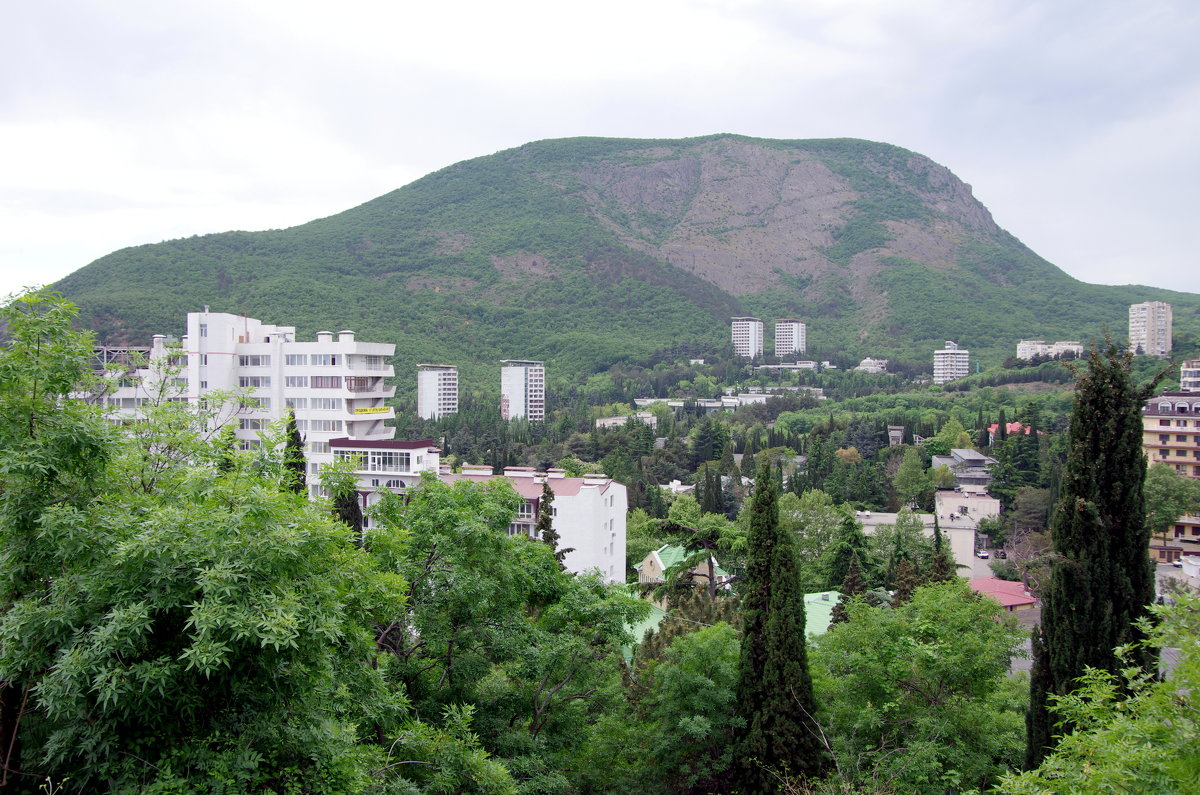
(590, 251)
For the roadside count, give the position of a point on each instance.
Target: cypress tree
(1102, 579)
(545, 523)
(774, 692)
(293, 456)
(907, 581)
(941, 565)
(852, 586)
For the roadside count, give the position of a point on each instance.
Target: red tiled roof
(1006, 592)
(1011, 427)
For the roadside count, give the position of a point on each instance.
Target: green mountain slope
(589, 251)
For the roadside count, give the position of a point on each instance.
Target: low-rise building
(1011, 595)
(869, 365)
(588, 513)
(1027, 349)
(644, 417)
(960, 536)
(971, 469)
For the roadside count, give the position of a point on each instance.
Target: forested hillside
(586, 252)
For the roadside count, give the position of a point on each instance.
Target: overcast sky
(137, 121)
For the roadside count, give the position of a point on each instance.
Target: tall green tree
(912, 482)
(545, 523)
(1102, 580)
(917, 698)
(774, 693)
(293, 455)
(1169, 496)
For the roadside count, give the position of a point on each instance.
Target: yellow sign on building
(372, 410)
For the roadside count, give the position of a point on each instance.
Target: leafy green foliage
(917, 698)
(1130, 729)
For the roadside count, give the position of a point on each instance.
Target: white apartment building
(335, 386)
(747, 337)
(1150, 328)
(437, 390)
(1027, 349)
(588, 513)
(950, 363)
(522, 390)
(791, 336)
(1189, 376)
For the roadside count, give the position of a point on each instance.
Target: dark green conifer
(941, 562)
(908, 579)
(545, 523)
(852, 586)
(774, 693)
(1102, 579)
(293, 456)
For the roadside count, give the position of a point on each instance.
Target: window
(378, 460)
(326, 382)
(395, 484)
(325, 426)
(296, 403)
(250, 424)
(296, 360)
(1163, 438)
(248, 444)
(525, 511)
(254, 381)
(302, 425)
(204, 359)
(1164, 422)
(258, 360)
(318, 447)
(296, 381)
(258, 403)
(203, 329)
(204, 385)
(324, 359)
(1179, 437)
(326, 404)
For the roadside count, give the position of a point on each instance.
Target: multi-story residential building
(747, 337)
(1171, 434)
(791, 336)
(587, 512)
(1150, 328)
(1027, 349)
(950, 363)
(335, 386)
(522, 390)
(1189, 376)
(437, 390)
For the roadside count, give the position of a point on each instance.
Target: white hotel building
(791, 336)
(437, 390)
(588, 512)
(522, 390)
(336, 385)
(747, 337)
(951, 363)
